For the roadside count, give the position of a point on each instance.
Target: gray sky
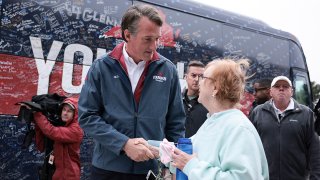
(297, 17)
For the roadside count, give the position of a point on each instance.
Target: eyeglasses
(204, 77)
(194, 76)
(259, 89)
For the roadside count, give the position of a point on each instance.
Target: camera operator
(63, 157)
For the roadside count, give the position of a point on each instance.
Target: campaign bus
(47, 46)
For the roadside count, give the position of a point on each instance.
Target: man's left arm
(176, 117)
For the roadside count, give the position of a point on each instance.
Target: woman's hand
(180, 158)
(155, 151)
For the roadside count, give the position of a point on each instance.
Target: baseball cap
(281, 78)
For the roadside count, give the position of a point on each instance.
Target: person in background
(261, 92)
(317, 114)
(227, 146)
(286, 129)
(132, 93)
(65, 154)
(195, 112)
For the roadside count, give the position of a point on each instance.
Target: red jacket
(67, 140)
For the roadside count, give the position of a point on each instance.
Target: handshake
(139, 150)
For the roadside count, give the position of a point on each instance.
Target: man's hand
(137, 150)
(154, 150)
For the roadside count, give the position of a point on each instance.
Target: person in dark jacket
(132, 93)
(317, 114)
(261, 92)
(195, 112)
(286, 129)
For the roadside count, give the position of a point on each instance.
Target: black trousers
(101, 174)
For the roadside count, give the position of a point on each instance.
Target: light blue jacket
(228, 147)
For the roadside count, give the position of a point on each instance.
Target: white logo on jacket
(293, 120)
(159, 78)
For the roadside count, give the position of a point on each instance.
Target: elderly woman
(227, 146)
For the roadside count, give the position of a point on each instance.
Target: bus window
(296, 56)
(183, 40)
(269, 55)
(301, 89)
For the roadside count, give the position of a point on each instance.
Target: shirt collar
(290, 107)
(126, 56)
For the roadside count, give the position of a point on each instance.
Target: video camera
(48, 104)
(52, 114)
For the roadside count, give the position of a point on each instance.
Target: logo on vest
(159, 77)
